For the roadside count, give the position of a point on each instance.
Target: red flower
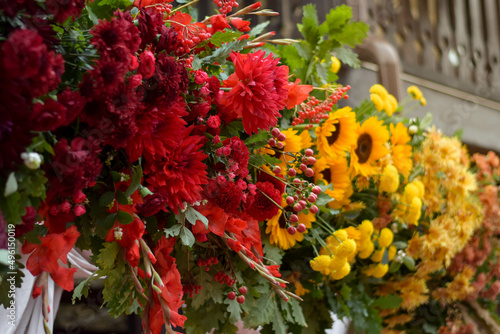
(181, 173)
(217, 219)
(259, 90)
(45, 256)
(259, 206)
(126, 235)
(240, 24)
(228, 196)
(48, 116)
(218, 23)
(238, 158)
(147, 65)
(297, 93)
(109, 35)
(64, 9)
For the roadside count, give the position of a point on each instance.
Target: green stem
(184, 6)
(269, 198)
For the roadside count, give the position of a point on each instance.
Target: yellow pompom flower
(378, 255)
(423, 101)
(341, 235)
(366, 227)
(346, 248)
(392, 252)
(390, 105)
(342, 272)
(335, 65)
(389, 181)
(337, 262)
(411, 191)
(377, 271)
(415, 211)
(377, 101)
(421, 188)
(385, 238)
(367, 249)
(321, 263)
(379, 90)
(299, 289)
(415, 92)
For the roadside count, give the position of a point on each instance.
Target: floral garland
(207, 165)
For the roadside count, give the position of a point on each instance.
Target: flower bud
(32, 160)
(413, 129)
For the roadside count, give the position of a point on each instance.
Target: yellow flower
(342, 272)
(370, 147)
(337, 134)
(389, 181)
(379, 90)
(392, 252)
(337, 262)
(401, 151)
(421, 188)
(377, 101)
(377, 271)
(378, 255)
(321, 263)
(299, 289)
(415, 92)
(411, 191)
(334, 173)
(367, 249)
(346, 248)
(335, 65)
(390, 105)
(415, 211)
(366, 228)
(277, 230)
(423, 101)
(385, 238)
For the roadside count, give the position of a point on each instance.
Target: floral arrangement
(213, 169)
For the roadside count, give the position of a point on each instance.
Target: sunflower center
(282, 220)
(364, 148)
(327, 175)
(335, 135)
(277, 153)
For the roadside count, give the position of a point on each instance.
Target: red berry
(309, 172)
(277, 170)
(280, 145)
(294, 218)
(272, 142)
(303, 167)
(310, 160)
(289, 200)
(309, 152)
(275, 132)
(316, 190)
(240, 299)
(243, 290)
(291, 230)
(231, 295)
(313, 209)
(281, 137)
(303, 203)
(301, 228)
(297, 207)
(292, 172)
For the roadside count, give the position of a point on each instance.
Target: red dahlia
(259, 90)
(260, 206)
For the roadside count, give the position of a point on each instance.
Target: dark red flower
(14, 137)
(48, 116)
(114, 33)
(28, 222)
(147, 64)
(265, 177)
(228, 197)
(181, 173)
(238, 158)
(73, 102)
(259, 90)
(64, 9)
(259, 206)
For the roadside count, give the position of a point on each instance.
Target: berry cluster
(191, 289)
(315, 110)
(225, 6)
(207, 263)
(190, 36)
(241, 298)
(222, 277)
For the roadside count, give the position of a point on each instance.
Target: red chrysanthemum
(259, 206)
(259, 90)
(228, 197)
(238, 158)
(64, 9)
(181, 173)
(265, 177)
(117, 32)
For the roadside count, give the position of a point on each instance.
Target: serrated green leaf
(261, 136)
(11, 185)
(106, 199)
(259, 28)
(82, 289)
(121, 198)
(297, 313)
(221, 37)
(187, 237)
(409, 262)
(234, 309)
(271, 160)
(389, 301)
(277, 321)
(192, 215)
(271, 252)
(347, 56)
(173, 231)
(135, 181)
(261, 312)
(107, 255)
(124, 217)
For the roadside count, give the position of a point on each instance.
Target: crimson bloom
(259, 90)
(262, 205)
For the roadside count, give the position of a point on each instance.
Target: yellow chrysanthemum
(390, 105)
(321, 263)
(292, 143)
(415, 211)
(337, 134)
(335, 65)
(342, 272)
(337, 262)
(370, 146)
(401, 151)
(378, 255)
(415, 92)
(378, 270)
(346, 248)
(389, 181)
(367, 249)
(366, 228)
(278, 234)
(377, 101)
(379, 90)
(392, 252)
(334, 173)
(385, 238)
(423, 101)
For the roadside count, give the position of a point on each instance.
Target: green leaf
(400, 244)
(347, 56)
(115, 176)
(394, 266)
(192, 215)
(221, 37)
(389, 301)
(173, 231)
(109, 221)
(297, 313)
(92, 16)
(277, 320)
(259, 28)
(121, 198)
(106, 199)
(107, 255)
(135, 181)
(309, 27)
(271, 160)
(124, 217)
(409, 262)
(260, 137)
(345, 291)
(187, 237)
(426, 122)
(385, 257)
(260, 313)
(11, 185)
(82, 289)
(271, 252)
(234, 309)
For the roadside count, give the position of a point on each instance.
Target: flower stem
(184, 6)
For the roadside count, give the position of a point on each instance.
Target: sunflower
(370, 146)
(401, 151)
(278, 234)
(334, 173)
(292, 143)
(337, 134)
